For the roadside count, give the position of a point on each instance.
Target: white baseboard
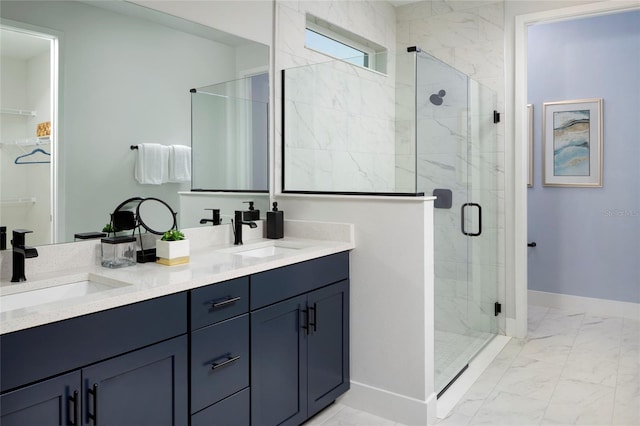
(390, 405)
(589, 305)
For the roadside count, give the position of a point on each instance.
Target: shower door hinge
(497, 308)
(496, 116)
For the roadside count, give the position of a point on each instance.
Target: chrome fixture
(20, 253)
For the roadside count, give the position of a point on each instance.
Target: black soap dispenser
(252, 213)
(275, 223)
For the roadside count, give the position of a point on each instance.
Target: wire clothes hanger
(35, 151)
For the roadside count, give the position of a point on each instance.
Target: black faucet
(215, 220)
(20, 253)
(237, 226)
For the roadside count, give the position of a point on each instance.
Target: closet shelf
(42, 140)
(16, 201)
(17, 111)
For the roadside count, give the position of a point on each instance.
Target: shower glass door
(455, 137)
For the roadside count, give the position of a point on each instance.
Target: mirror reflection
(124, 73)
(230, 134)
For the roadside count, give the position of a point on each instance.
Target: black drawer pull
(94, 393)
(313, 323)
(75, 400)
(229, 301)
(229, 360)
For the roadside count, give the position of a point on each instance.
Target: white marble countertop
(143, 281)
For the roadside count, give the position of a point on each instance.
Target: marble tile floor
(572, 369)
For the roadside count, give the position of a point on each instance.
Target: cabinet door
(52, 402)
(278, 364)
(144, 387)
(328, 345)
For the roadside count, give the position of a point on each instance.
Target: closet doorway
(28, 103)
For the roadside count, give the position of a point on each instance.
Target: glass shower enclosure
(457, 159)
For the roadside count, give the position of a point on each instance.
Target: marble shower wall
(344, 129)
(340, 125)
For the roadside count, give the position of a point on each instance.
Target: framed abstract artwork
(572, 143)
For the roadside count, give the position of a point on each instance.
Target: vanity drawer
(282, 283)
(233, 411)
(218, 302)
(219, 361)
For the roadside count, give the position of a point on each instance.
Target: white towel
(180, 163)
(152, 164)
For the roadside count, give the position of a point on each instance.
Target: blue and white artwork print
(571, 145)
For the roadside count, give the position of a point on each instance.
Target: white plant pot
(172, 252)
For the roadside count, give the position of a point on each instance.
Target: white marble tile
(352, 417)
(454, 419)
(549, 348)
(591, 368)
(535, 314)
(556, 322)
(626, 410)
(580, 403)
(323, 416)
(503, 408)
(603, 345)
(629, 362)
(530, 377)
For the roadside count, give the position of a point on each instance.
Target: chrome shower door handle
(462, 227)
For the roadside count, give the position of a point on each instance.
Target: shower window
(322, 43)
(330, 40)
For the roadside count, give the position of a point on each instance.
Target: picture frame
(572, 143)
(530, 142)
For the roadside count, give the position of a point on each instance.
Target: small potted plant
(172, 248)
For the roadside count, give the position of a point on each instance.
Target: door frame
(517, 326)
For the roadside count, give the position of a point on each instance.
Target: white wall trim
(518, 68)
(588, 305)
(390, 405)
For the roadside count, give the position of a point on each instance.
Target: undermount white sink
(267, 251)
(56, 293)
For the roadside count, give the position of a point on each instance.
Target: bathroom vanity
(267, 346)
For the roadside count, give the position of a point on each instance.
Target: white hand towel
(180, 163)
(152, 164)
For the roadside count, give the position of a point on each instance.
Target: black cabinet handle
(313, 323)
(75, 410)
(214, 304)
(532, 244)
(94, 393)
(462, 210)
(305, 324)
(229, 360)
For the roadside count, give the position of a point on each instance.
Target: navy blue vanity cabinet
(300, 345)
(279, 364)
(220, 354)
(145, 387)
(51, 402)
(128, 365)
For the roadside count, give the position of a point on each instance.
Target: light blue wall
(589, 238)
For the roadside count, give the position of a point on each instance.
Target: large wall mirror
(123, 75)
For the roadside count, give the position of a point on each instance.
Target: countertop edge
(138, 289)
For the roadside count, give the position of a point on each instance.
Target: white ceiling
(20, 45)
